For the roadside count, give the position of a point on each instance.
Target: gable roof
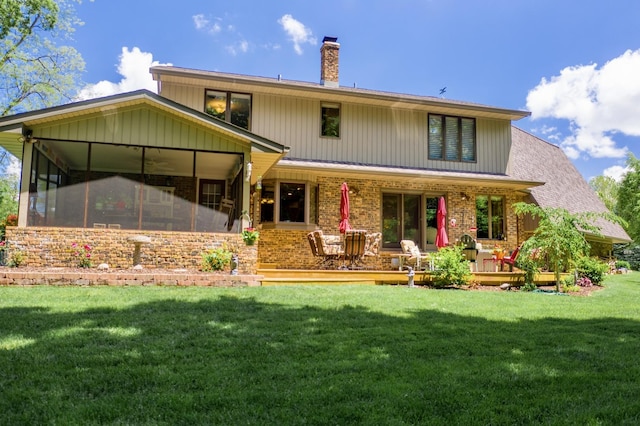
(11, 126)
(264, 152)
(279, 86)
(532, 158)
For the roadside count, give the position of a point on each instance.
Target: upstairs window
(330, 126)
(234, 108)
(452, 138)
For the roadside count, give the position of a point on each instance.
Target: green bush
(591, 268)
(623, 264)
(529, 265)
(215, 259)
(451, 267)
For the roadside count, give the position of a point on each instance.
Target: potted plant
(250, 236)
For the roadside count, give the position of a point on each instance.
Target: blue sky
(574, 64)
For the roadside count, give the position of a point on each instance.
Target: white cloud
(203, 24)
(239, 47)
(297, 32)
(200, 21)
(134, 67)
(598, 103)
(616, 172)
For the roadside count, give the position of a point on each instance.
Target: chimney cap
(330, 39)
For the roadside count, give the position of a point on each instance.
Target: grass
(388, 355)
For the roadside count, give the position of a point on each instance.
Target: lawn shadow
(233, 360)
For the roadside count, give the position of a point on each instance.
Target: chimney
(329, 58)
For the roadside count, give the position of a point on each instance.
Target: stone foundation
(53, 247)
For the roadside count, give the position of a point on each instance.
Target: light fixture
(259, 183)
(354, 190)
(464, 196)
(247, 174)
(27, 136)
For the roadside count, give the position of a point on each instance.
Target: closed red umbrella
(344, 208)
(441, 237)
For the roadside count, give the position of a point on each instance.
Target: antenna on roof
(443, 91)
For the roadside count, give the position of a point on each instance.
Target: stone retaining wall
(52, 247)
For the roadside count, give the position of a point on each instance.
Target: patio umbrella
(344, 208)
(441, 237)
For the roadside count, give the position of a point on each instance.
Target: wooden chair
(510, 260)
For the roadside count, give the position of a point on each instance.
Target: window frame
(228, 110)
(310, 213)
(490, 215)
(323, 128)
(460, 141)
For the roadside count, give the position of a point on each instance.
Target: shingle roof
(534, 159)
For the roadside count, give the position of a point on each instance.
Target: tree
(607, 189)
(560, 235)
(36, 72)
(628, 206)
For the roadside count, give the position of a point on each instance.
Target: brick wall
(51, 247)
(289, 249)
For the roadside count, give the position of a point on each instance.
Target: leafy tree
(560, 234)
(607, 189)
(628, 206)
(35, 71)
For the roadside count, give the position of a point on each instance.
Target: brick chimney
(329, 59)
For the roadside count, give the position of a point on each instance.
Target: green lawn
(376, 355)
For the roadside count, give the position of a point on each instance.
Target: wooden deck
(367, 277)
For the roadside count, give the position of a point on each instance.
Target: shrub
(584, 282)
(623, 264)
(451, 267)
(528, 286)
(591, 268)
(215, 259)
(82, 254)
(16, 257)
(528, 263)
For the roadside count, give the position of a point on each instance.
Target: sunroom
(135, 161)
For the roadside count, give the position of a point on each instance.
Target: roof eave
(396, 99)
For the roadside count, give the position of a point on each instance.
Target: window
(288, 202)
(452, 138)
(330, 120)
(234, 108)
(490, 216)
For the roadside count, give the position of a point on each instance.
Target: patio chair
(510, 260)
(415, 257)
(328, 252)
(354, 248)
(314, 249)
(469, 249)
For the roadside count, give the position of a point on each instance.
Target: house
(274, 154)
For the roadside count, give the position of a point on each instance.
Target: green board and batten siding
(140, 126)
